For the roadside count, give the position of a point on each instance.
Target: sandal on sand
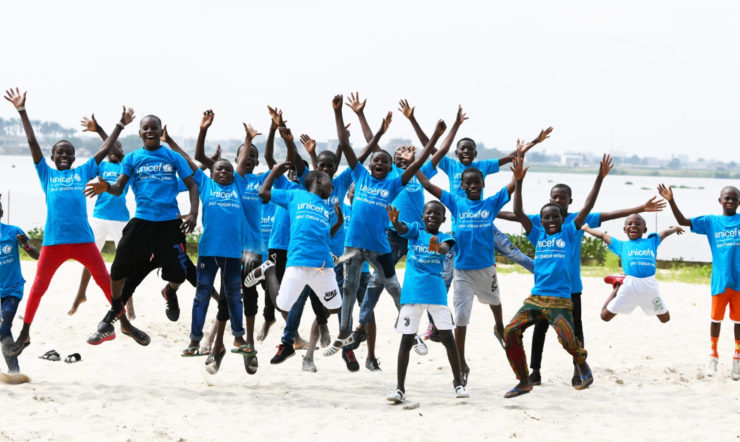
(50, 355)
(137, 335)
(586, 380)
(258, 274)
(192, 352)
(74, 357)
(514, 392)
(338, 344)
(213, 363)
(250, 357)
(246, 350)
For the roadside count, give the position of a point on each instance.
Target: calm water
(27, 209)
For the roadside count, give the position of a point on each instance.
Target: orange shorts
(719, 305)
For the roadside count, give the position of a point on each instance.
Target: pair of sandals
(213, 363)
(53, 356)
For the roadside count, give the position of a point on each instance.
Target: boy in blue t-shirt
(638, 255)
(11, 283)
(723, 234)
(424, 289)
(550, 298)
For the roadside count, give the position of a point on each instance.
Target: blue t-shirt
(153, 179)
(723, 234)
(474, 228)
(454, 169)
(347, 213)
(367, 229)
(638, 255)
(423, 283)
(341, 183)
(552, 260)
(223, 223)
(109, 206)
(593, 220)
(309, 228)
(66, 208)
(11, 279)
(268, 216)
(249, 188)
(410, 202)
(280, 235)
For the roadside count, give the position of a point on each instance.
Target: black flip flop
(51, 355)
(74, 357)
(213, 363)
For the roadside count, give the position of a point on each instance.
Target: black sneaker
(284, 352)
(535, 377)
(173, 307)
(106, 331)
(372, 364)
(358, 336)
(351, 360)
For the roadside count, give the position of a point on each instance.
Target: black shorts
(143, 239)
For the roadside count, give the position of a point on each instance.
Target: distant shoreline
(630, 171)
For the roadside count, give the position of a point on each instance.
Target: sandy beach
(648, 379)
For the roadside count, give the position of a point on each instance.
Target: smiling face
(223, 172)
(466, 151)
(561, 196)
(399, 161)
(728, 198)
(472, 183)
(433, 216)
(63, 155)
(635, 226)
(150, 131)
(327, 163)
(552, 219)
(380, 164)
(252, 158)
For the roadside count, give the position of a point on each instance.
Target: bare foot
(308, 365)
(325, 338)
(130, 313)
(79, 299)
(265, 330)
(299, 343)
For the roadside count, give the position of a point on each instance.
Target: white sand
(648, 381)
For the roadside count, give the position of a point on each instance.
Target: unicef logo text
(560, 243)
(7, 249)
(374, 191)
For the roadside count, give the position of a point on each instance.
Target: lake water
(24, 205)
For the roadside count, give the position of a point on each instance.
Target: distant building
(572, 160)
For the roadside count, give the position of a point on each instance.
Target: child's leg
(371, 328)
(207, 268)
(89, 256)
(561, 320)
(446, 338)
(294, 318)
(538, 345)
(50, 259)
(462, 299)
(606, 315)
(8, 307)
(527, 315)
(352, 270)
(402, 365)
(250, 261)
(231, 283)
(384, 277)
(81, 292)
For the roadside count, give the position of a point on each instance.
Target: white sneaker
(396, 396)
(736, 369)
(420, 347)
(711, 369)
(461, 393)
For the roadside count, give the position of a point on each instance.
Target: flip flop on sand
(514, 392)
(50, 355)
(246, 350)
(338, 344)
(213, 363)
(74, 357)
(191, 352)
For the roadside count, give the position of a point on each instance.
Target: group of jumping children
(291, 231)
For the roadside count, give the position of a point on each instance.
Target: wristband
(121, 125)
(21, 108)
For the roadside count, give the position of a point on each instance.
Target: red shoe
(614, 280)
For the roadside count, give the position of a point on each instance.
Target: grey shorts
(481, 283)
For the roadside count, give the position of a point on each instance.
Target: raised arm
(460, 117)
(342, 134)
(200, 145)
(266, 189)
(519, 173)
(359, 107)
(650, 206)
(604, 168)
(372, 146)
(310, 145)
(408, 112)
(241, 160)
(166, 138)
(340, 220)
(293, 154)
(507, 215)
(126, 117)
(92, 125)
(521, 151)
(400, 226)
(670, 231)
(597, 233)
(276, 122)
(19, 101)
(667, 193)
(435, 190)
(411, 170)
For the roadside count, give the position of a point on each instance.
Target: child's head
(466, 151)
(551, 217)
(292, 173)
(380, 164)
(116, 154)
(635, 226)
(223, 172)
(728, 198)
(351, 193)
(319, 183)
(472, 182)
(63, 154)
(433, 216)
(253, 157)
(150, 131)
(399, 160)
(561, 195)
(327, 162)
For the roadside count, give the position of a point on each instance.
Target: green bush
(36, 233)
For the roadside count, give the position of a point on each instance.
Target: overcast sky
(657, 77)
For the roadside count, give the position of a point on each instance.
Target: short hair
(436, 203)
(151, 116)
(731, 188)
(470, 170)
(251, 146)
(330, 155)
(60, 142)
(311, 178)
(222, 160)
(466, 139)
(384, 152)
(564, 187)
(557, 206)
(637, 215)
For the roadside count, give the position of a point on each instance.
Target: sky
(652, 78)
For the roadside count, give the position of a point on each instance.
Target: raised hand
(96, 188)
(127, 116)
(519, 170)
(386, 122)
(677, 229)
(461, 116)
(15, 97)
(544, 134)
(586, 228)
(252, 132)
(308, 143)
(276, 115)
(665, 191)
(522, 147)
(605, 166)
(207, 120)
(89, 124)
(434, 244)
(407, 153)
(653, 206)
(440, 128)
(355, 104)
(406, 110)
(336, 102)
(165, 135)
(217, 155)
(281, 168)
(392, 213)
(286, 134)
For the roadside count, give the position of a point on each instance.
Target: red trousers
(50, 260)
